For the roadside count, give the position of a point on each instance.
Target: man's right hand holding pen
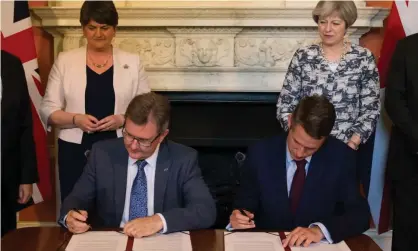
(76, 221)
(242, 219)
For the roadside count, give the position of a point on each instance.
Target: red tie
(297, 185)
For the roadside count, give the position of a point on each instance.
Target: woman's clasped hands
(90, 124)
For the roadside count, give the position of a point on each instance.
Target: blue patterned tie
(138, 206)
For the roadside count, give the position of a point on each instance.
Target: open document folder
(342, 246)
(322, 246)
(115, 241)
(98, 241)
(252, 241)
(164, 242)
(270, 241)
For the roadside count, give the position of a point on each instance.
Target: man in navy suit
(303, 182)
(141, 182)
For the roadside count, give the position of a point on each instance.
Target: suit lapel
(161, 175)
(277, 178)
(78, 77)
(282, 182)
(120, 173)
(122, 82)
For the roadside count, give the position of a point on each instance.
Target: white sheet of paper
(246, 241)
(322, 246)
(341, 246)
(164, 242)
(98, 241)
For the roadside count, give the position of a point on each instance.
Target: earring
(346, 39)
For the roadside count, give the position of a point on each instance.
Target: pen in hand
(78, 211)
(243, 213)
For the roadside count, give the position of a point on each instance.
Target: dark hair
(316, 114)
(149, 106)
(102, 12)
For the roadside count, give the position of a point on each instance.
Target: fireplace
(220, 126)
(221, 64)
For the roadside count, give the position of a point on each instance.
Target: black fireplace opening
(220, 126)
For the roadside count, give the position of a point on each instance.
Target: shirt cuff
(64, 220)
(229, 227)
(164, 223)
(324, 231)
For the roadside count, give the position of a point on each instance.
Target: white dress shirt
(150, 174)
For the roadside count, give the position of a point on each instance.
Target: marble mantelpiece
(226, 46)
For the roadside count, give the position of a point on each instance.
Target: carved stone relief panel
(204, 52)
(267, 52)
(153, 51)
(270, 47)
(208, 47)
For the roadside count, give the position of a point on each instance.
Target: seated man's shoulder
(337, 148)
(109, 145)
(180, 150)
(268, 143)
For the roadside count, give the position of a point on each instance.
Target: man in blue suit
(303, 182)
(141, 182)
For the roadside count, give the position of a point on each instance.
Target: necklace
(321, 48)
(99, 65)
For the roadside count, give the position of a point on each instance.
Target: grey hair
(346, 10)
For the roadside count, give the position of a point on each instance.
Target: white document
(164, 242)
(341, 246)
(98, 241)
(322, 246)
(252, 241)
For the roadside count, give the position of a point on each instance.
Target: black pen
(243, 213)
(78, 211)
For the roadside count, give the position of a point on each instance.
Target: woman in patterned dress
(346, 73)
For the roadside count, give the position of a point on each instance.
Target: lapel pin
(166, 169)
(125, 66)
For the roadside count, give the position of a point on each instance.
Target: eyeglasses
(142, 142)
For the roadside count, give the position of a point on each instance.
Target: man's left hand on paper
(142, 227)
(301, 236)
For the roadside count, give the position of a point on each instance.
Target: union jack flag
(17, 38)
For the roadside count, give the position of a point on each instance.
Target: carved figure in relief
(204, 52)
(152, 51)
(264, 52)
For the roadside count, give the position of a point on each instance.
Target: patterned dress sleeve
(290, 93)
(369, 100)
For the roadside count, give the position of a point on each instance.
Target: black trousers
(403, 171)
(73, 157)
(364, 160)
(8, 215)
(405, 215)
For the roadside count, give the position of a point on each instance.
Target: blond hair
(346, 10)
